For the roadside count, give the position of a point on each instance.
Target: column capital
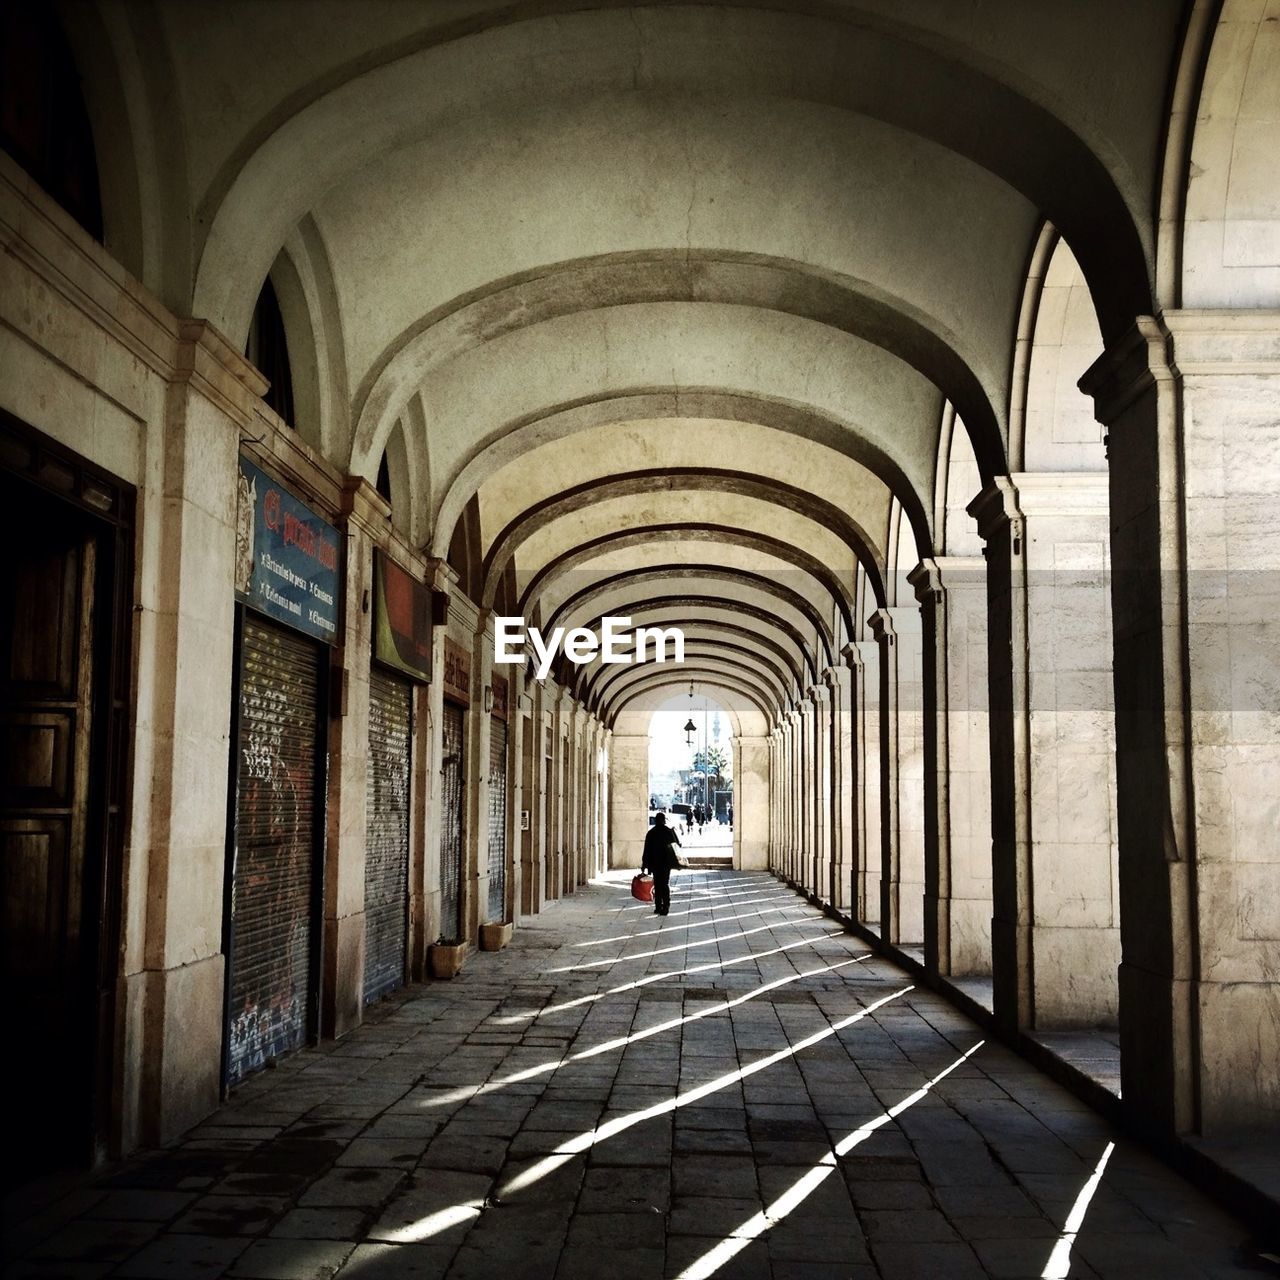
(1182, 343)
(1062, 493)
(858, 651)
(364, 506)
(997, 507)
(936, 575)
(441, 575)
(818, 693)
(894, 621)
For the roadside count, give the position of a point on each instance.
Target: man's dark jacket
(660, 851)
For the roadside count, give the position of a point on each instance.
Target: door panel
(272, 910)
(451, 842)
(47, 584)
(386, 866)
(497, 819)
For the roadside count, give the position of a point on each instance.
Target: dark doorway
(62, 705)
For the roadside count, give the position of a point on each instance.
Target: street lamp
(689, 730)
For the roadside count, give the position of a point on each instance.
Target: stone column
(820, 701)
(775, 800)
(481, 724)
(1190, 403)
(342, 981)
(795, 797)
(577, 836)
(843, 780)
(543, 746)
(952, 591)
(606, 798)
(629, 799)
(751, 803)
(898, 634)
(534, 850)
(517, 795)
(186, 626)
(808, 869)
(1055, 938)
(864, 659)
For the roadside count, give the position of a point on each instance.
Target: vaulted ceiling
(676, 298)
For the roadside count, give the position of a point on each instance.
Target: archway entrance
(691, 776)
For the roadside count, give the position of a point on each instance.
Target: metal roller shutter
(451, 824)
(386, 866)
(273, 875)
(497, 819)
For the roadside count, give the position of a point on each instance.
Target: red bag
(642, 888)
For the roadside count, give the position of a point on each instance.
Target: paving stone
(231, 1215)
(723, 1215)
(611, 1190)
(887, 1194)
(183, 1257)
(621, 1231)
(435, 1206)
(714, 1176)
(521, 1242)
(32, 1270)
(375, 1153)
(321, 1224)
(909, 1260)
(358, 1187)
(95, 1240)
(583, 1262)
(916, 1225)
(292, 1259)
(141, 1206)
(391, 1138)
(788, 1269)
(750, 1263)
(553, 1182)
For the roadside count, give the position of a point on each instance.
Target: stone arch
(998, 125)
(858, 308)
(692, 531)
(1221, 199)
(712, 480)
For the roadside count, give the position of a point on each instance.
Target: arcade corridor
(407, 405)
(673, 1093)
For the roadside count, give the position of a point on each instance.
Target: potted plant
(445, 958)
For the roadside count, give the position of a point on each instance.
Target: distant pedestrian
(659, 860)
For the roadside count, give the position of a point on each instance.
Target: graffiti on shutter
(497, 819)
(274, 854)
(451, 824)
(386, 864)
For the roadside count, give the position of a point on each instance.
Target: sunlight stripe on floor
(800, 1190)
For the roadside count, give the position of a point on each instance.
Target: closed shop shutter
(497, 819)
(386, 866)
(451, 824)
(273, 878)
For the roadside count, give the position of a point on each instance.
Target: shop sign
(286, 556)
(457, 672)
(500, 695)
(401, 619)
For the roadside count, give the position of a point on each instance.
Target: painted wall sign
(457, 672)
(500, 696)
(287, 557)
(401, 619)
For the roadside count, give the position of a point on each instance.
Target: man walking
(659, 860)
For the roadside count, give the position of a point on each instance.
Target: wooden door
(47, 587)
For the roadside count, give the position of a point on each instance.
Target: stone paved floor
(738, 1089)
